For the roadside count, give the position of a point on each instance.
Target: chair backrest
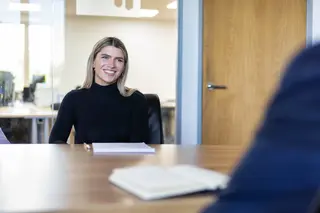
(155, 119)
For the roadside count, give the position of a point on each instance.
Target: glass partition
(32, 49)
(45, 45)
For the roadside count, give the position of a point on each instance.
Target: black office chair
(155, 119)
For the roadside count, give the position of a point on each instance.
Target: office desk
(30, 111)
(168, 115)
(66, 178)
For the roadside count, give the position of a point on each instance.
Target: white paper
(150, 182)
(122, 148)
(211, 178)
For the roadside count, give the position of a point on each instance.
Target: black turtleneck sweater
(101, 114)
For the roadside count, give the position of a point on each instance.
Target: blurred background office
(44, 46)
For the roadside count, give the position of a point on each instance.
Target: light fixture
(148, 13)
(29, 7)
(172, 5)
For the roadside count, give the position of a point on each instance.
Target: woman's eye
(120, 60)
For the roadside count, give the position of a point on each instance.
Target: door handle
(211, 86)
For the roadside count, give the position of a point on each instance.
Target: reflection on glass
(52, 38)
(39, 51)
(7, 14)
(32, 49)
(12, 52)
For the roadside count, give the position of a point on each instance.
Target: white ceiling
(161, 5)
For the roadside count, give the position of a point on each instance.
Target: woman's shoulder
(74, 95)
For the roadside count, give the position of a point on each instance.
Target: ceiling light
(30, 7)
(172, 5)
(148, 13)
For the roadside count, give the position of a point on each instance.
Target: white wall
(152, 47)
(315, 21)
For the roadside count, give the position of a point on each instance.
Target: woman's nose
(111, 62)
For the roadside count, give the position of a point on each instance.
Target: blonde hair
(115, 42)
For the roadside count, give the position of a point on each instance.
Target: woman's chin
(109, 81)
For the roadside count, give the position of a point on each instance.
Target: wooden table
(66, 178)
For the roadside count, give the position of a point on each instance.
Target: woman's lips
(111, 72)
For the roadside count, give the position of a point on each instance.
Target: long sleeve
(140, 124)
(65, 120)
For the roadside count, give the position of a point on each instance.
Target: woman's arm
(65, 120)
(140, 123)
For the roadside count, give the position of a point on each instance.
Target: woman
(103, 110)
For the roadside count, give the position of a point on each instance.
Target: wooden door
(247, 44)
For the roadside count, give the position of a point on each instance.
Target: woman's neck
(105, 88)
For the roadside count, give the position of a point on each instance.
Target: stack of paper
(122, 148)
(3, 138)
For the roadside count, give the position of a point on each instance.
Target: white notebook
(122, 148)
(155, 182)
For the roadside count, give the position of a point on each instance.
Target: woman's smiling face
(108, 65)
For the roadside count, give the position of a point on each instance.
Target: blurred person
(280, 172)
(103, 109)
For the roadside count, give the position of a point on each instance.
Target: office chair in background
(155, 119)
